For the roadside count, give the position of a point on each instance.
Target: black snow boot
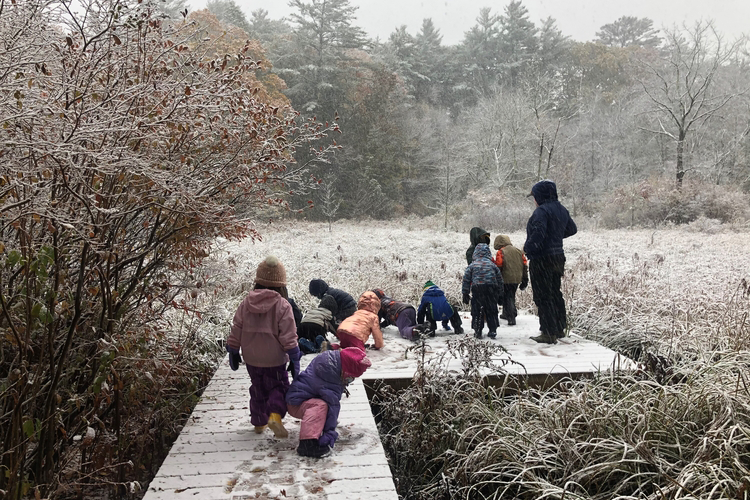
(311, 448)
(477, 334)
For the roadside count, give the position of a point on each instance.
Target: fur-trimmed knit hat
(271, 272)
(354, 362)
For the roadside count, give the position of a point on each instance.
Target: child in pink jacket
(264, 330)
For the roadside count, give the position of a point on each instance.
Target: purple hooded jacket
(321, 379)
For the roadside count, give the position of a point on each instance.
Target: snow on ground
(681, 265)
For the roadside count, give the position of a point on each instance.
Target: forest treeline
(622, 122)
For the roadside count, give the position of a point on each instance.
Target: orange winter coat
(365, 321)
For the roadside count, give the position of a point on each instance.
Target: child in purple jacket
(263, 329)
(315, 397)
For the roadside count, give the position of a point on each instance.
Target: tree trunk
(680, 168)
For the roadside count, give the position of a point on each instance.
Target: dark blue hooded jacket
(549, 223)
(321, 379)
(434, 298)
(345, 302)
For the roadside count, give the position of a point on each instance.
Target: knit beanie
(328, 302)
(271, 272)
(354, 362)
(427, 285)
(318, 287)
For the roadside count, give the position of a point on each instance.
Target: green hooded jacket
(476, 235)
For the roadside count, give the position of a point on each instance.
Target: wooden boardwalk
(218, 455)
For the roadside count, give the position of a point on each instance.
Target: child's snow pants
(268, 386)
(484, 305)
(313, 413)
(406, 321)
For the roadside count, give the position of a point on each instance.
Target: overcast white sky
(579, 19)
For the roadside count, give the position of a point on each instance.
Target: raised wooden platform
(218, 456)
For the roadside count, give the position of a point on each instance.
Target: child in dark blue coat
(315, 397)
(435, 306)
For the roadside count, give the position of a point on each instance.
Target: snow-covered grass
(676, 299)
(673, 289)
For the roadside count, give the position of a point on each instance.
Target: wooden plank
(219, 456)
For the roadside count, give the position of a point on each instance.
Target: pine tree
(228, 12)
(324, 33)
(480, 50)
(518, 42)
(629, 31)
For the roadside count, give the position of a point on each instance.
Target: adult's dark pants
(509, 302)
(484, 304)
(546, 273)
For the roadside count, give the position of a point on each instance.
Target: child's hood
(501, 240)
(261, 301)
(482, 251)
(476, 233)
(369, 302)
(354, 362)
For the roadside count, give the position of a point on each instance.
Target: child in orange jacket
(515, 269)
(357, 328)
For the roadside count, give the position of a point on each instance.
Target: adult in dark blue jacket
(315, 397)
(435, 306)
(345, 302)
(547, 227)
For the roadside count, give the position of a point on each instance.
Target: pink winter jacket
(264, 328)
(365, 320)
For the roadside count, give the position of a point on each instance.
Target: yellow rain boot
(259, 429)
(274, 423)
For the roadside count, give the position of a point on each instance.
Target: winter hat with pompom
(271, 273)
(354, 362)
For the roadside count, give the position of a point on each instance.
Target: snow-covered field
(663, 283)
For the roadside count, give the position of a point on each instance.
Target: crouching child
(401, 314)
(315, 397)
(355, 330)
(484, 281)
(315, 325)
(435, 307)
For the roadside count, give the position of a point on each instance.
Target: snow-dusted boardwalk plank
(219, 456)
(570, 356)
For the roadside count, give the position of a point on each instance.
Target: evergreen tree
(228, 12)
(629, 31)
(518, 41)
(429, 58)
(480, 51)
(324, 33)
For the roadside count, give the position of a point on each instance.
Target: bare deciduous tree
(681, 88)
